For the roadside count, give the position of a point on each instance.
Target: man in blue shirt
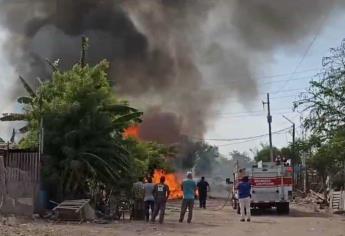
(188, 188)
(244, 196)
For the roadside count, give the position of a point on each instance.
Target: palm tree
(25, 100)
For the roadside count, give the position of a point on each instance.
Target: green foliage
(325, 103)
(83, 124)
(325, 99)
(27, 87)
(149, 156)
(241, 158)
(83, 137)
(192, 154)
(13, 117)
(29, 104)
(264, 153)
(206, 159)
(329, 159)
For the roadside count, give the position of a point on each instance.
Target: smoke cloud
(173, 57)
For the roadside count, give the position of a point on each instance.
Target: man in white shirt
(149, 200)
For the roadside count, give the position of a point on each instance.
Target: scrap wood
(74, 210)
(318, 195)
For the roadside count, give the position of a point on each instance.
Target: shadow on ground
(293, 213)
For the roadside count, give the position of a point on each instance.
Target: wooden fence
(18, 161)
(20, 180)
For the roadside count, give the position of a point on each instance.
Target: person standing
(149, 200)
(189, 189)
(244, 196)
(203, 188)
(138, 195)
(161, 194)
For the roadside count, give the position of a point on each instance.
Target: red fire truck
(271, 186)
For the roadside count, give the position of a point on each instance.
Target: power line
(289, 74)
(246, 141)
(317, 34)
(224, 116)
(281, 97)
(231, 82)
(239, 139)
(276, 76)
(248, 112)
(286, 80)
(282, 92)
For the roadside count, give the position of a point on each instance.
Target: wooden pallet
(73, 210)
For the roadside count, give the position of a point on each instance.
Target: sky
(6, 74)
(299, 66)
(285, 77)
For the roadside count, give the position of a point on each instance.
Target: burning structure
(132, 132)
(172, 180)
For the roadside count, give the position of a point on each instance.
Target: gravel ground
(302, 221)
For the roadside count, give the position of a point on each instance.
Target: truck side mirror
(228, 181)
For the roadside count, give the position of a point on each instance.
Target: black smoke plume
(178, 55)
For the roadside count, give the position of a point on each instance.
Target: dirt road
(213, 221)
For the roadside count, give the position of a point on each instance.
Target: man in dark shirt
(161, 194)
(244, 196)
(203, 188)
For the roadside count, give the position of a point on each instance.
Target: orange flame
(172, 180)
(132, 132)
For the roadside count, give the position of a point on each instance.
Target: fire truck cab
(271, 185)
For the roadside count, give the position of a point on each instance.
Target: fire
(172, 180)
(132, 132)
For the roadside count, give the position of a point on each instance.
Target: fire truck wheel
(283, 208)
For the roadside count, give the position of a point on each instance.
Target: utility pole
(293, 136)
(304, 165)
(269, 120)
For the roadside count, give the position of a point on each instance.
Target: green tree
(29, 103)
(241, 158)
(264, 153)
(206, 157)
(187, 153)
(325, 99)
(325, 103)
(149, 156)
(83, 127)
